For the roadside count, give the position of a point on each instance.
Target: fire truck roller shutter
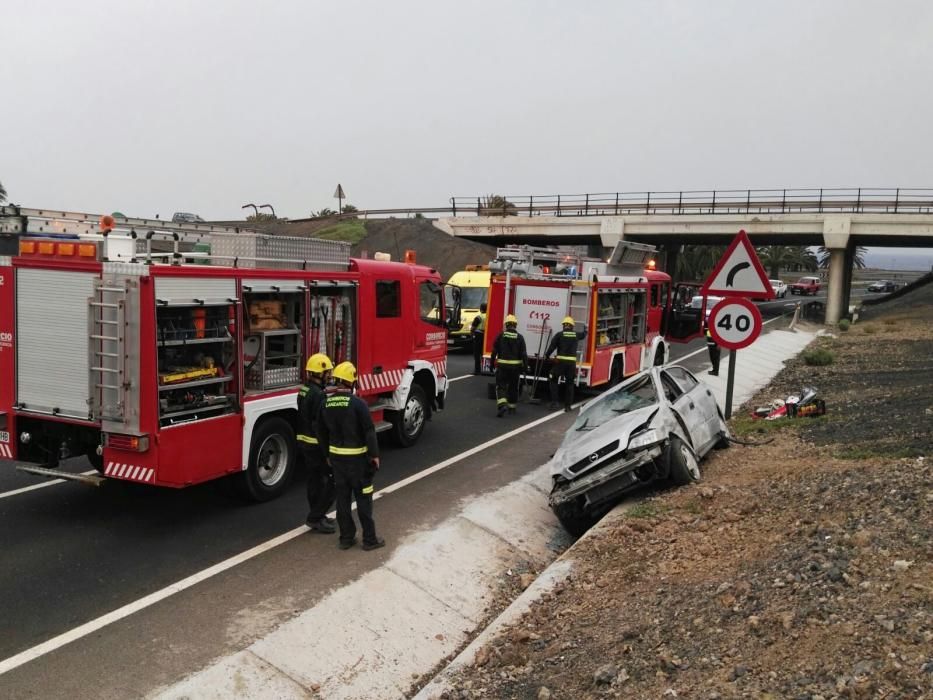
(184, 291)
(52, 341)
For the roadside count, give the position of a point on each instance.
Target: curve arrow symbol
(730, 278)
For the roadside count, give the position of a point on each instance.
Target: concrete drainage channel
(422, 606)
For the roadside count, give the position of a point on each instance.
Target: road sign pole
(730, 381)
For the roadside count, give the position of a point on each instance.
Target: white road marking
(462, 376)
(15, 492)
(125, 611)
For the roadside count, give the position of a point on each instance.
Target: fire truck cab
(623, 303)
(171, 367)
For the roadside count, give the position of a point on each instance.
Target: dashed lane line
(16, 492)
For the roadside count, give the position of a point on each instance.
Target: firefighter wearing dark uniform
(509, 357)
(565, 345)
(713, 350)
(478, 331)
(348, 438)
(320, 476)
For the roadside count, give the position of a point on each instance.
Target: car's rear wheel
(684, 467)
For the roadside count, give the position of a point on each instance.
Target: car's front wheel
(684, 467)
(572, 516)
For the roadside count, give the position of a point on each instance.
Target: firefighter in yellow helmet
(348, 438)
(564, 344)
(320, 476)
(510, 358)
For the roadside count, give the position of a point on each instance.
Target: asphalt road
(71, 553)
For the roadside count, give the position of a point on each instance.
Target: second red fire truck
(173, 368)
(627, 307)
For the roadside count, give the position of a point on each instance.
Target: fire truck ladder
(108, 356)
(579, 307)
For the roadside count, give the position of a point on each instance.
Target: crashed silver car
(656, 425)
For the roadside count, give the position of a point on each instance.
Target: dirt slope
(797, 569)
(433, 247)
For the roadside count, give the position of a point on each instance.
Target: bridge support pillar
(835, 302)
(836, 240)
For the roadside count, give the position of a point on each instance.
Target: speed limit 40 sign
(735, 323)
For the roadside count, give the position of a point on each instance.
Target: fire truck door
(430, 334)
(391, 344)
(683, 323)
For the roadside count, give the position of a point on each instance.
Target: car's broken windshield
(639, 394)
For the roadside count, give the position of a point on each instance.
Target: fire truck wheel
(96, 460)
(409, 422)
(271, 459)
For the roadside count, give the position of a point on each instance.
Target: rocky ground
(800, 568)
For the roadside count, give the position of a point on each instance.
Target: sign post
(339, 196)
(735, 322)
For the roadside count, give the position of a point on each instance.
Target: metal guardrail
(761, 201)
(783, 201)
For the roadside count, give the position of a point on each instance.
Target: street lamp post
(255, 210)
(268, 206)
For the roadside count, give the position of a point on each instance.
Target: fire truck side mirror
(453, 296)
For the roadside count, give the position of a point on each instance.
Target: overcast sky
(156, 107)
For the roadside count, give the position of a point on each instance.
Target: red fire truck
(626, 306)
(169, 365)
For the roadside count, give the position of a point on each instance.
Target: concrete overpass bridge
(840, 220)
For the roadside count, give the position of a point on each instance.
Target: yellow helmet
(511, 319)
(319, 363)
(345, 372)
(568, 321)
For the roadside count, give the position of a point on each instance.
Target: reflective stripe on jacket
(345, 427)
(565, 344)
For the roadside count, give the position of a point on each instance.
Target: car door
(684, 404)
(703, 404)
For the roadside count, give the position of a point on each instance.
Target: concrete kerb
(558, 572)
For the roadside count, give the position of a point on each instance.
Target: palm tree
(497, 205)
(2, 194)
(858, 260)
(774, 258)
(697, 261)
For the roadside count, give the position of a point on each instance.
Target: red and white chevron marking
(132, 472)
(5, 451)
(393, 377)
(386, 380)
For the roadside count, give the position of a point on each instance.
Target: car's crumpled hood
(589, 441)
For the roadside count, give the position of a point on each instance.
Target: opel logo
(593, 457)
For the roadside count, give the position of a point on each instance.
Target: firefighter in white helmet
(510, 358)
(348, 438)
(320, 476)
(565, 345)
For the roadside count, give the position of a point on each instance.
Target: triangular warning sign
(739, 272)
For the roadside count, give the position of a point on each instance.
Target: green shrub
(818, 357)
(869, 330)
(844, 324)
